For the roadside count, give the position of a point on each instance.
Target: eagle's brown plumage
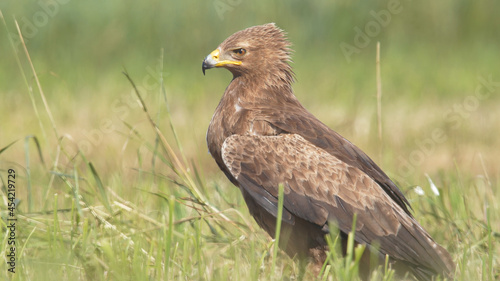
(261, 137)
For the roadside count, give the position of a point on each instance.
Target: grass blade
(100, 186)
(7, 146)
(170, 232)
(278, 227)
(42, 95)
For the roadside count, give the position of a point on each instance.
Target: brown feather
(261, 136)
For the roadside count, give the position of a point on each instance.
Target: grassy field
(112, 188)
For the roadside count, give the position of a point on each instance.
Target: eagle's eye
(240, 51)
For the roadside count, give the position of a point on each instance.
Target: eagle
(261, 137)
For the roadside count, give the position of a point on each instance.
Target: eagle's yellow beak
(213, 60)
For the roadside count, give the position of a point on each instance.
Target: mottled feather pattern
(312, 178)
(309, 172)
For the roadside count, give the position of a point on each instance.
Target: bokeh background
(440, 74)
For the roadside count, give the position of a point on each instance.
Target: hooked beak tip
(204, 66)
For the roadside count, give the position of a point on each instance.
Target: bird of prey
(261, 137)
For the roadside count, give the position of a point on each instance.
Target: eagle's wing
(318, 187)
(297, 120)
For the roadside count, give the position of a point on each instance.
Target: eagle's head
(261, 50)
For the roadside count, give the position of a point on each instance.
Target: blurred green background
(434, 57)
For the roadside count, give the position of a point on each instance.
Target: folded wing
(320, 188)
